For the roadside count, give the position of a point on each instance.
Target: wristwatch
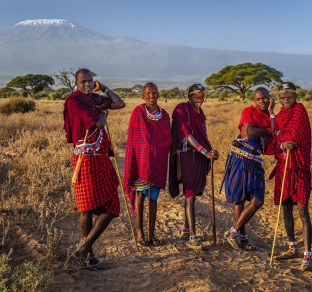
(272, 116)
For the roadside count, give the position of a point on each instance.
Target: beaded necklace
(155, 116)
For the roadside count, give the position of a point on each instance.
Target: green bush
(25, 277)
(17, 105)
(6, 92)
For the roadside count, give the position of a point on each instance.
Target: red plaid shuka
(257, 118)
(97, 183)
(293, 125)
(147, 150)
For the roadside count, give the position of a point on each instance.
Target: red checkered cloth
(257, 118)
(147, 150)
(97, 183)
(293, 125)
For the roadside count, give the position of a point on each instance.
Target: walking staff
(279, 207)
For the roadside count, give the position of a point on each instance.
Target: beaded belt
(92, 153)
(246, 154)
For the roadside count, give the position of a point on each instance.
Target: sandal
(232, 240)
(288, 255)
(155, 241)
(246, 245)
(194, 243)
(83, 262)
(142, 242)
(306, 265)
(184, 233)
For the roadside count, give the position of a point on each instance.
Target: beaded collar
(155, 116)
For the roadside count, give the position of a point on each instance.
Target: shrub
(6, 92)
(26, 277)
(17, 105)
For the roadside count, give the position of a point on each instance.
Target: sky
(282, 26)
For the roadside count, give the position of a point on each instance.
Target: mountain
(48, 45)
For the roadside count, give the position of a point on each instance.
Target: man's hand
(213, 154)
(271, 105)
(289, 145)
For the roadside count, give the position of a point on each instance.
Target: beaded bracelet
(199, 148)
(204, 151)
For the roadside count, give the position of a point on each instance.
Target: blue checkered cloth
(245, 177)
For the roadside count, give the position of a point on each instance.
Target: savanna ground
(39, 221)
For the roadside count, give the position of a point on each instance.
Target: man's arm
(249, 130)
(212, 154)
(102, 120)
(117, 102)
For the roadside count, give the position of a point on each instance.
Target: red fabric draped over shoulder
(83, 113)
(293, 125)
(257, 118)
(147, 150)
(185, 122)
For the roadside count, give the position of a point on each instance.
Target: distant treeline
(136, 92)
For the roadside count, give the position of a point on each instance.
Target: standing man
(146, 162)
(293, 131)
(244, 179)
(97, 182)
(190, 157)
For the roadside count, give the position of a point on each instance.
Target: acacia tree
(66, 77)
(31, 83)
(242, 77)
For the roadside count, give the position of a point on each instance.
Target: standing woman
(190, 157)
(146, 162)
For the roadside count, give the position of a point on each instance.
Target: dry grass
(35, 165)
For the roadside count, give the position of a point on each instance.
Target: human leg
(100, 225)
(190, 214)
(153, 210)
(292, 251)
(238, 208)
(86, 226)
(306, 226)
(139, 206)
(248, 212)
(241, 219)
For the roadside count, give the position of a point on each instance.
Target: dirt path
(173, 267)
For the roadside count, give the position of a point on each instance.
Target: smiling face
(262, 100)
(85, 83)
(287, 99)
(197, 99)
(150, 95)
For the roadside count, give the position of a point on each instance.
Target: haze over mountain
(45, 46)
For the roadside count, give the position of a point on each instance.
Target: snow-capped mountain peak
(39, 22)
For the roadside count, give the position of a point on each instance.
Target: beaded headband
(196, 91)
(286, 90)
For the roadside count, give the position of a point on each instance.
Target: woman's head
(287, 94)
(196, 95)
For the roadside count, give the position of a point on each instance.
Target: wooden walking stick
(149, 212)
(213, 206)
(280, 205)
(121, 184)
(79, 161)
